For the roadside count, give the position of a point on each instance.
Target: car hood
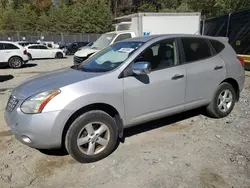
(51, 80)
(86, 51)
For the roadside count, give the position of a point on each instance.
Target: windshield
(104, 41)
(109, 58)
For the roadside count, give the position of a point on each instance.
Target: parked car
(50, 44)
(73, 47)
(102, 42)
(13, 54)
(38, 51)
(86, 107)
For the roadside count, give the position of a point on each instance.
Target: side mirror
(141, 68)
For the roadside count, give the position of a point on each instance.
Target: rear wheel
(15, 62)
(92, 137)
(223, 101)
(59, 55)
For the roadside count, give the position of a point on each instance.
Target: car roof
(9, 42)
(35, 45)
(150, 37)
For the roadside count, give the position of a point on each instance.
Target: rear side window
(218, 46)
(196, 49)
(10, 47)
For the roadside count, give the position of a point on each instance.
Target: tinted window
(1, 46)
(42, 47)
(33, 47)
(10, 47)
(123, 37)
(196, 49)
(50, 46)
(161, 55)
(218, 46)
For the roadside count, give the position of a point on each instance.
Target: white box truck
(143, 24)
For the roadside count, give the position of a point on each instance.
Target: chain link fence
(235, 26)
(57, 38)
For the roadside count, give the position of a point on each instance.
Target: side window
(8, 46)
(196, 49)
(42, 47)
(33, 47)
(161, 55)
(1, 46)
(50, 46)
(123, 37)
(218, 46)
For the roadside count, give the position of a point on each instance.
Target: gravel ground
(184, 151)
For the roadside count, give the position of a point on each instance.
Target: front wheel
(59, 55)
(223, 101)
(92, 137)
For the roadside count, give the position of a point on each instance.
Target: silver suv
(86, 107)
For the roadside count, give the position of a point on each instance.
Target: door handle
(178, 76)
(218, 67)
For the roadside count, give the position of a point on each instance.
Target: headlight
(36, 103)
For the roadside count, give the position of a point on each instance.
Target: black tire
(30, 57)
(78, 126)
(15, 62)
(59, 55)
(213, 109)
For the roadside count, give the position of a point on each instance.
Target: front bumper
(39, 128)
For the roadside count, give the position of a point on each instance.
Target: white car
(102, 42)
(38, 51)
(13, 54)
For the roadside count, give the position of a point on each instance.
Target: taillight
(241, 61)
(25, 52)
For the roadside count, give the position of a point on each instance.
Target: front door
(162, 91)
(44, 51)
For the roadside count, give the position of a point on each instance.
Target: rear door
(10, 50)
(205, 71)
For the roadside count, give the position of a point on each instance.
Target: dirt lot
(184, 151)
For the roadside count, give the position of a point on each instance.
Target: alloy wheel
(93, 138)
(225, 100)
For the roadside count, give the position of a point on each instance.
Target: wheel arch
(15, 56)
(235, 85)
(95, 106)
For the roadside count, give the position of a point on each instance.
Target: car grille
(12, 102)
(78, 60)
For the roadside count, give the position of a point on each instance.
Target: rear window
(196, 49)
(8, 46)
(218, 46)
